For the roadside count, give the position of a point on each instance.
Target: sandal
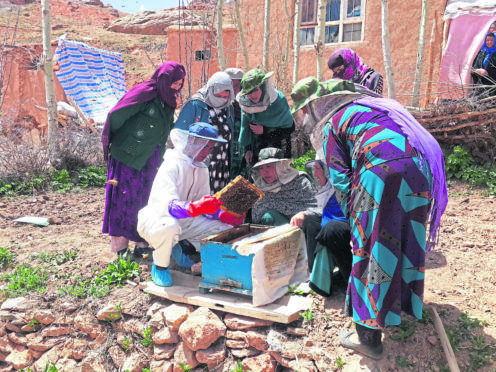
(374, 352)
(144, 252)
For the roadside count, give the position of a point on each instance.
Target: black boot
(370, 341)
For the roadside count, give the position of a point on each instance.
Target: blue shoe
(181, 259)
(161, 277)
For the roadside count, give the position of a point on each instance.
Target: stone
(13, 328)
(19, 360)
(257, 340)
(66, 365)
(98, 342)
(157, 320)
(7, 346)
(134, 363)
(201, 329)
(176, 314)
(213, 356)
(432, 340)
(262, 363)
(17, 339)
(240, 322)
(44, 316)
(297, 331)
(184, 355)
(276, 340)
(243, 353)
(109, 312)
(134, 326)
(161, 366)
(156, 306)
(152, 22)
(55, 331)
(235, 335)
(51, 356)
(87, 324)
(118, 356)
(94, 362)
(38, 344)
(163, 351)
(237, 344)
(303, 365)
(165, 336)
(19, 304)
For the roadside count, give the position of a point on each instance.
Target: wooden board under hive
(239, 196)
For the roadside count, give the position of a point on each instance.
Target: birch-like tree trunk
(265, 60)
(386, 50)
(296, 41)
(320, 39)
(420, 55)
(288, 41)
(47, 65)
(220, 39)
(239, 24)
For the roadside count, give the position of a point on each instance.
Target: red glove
(227, 217)
(206, 205)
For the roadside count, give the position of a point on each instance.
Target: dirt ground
(460, 273)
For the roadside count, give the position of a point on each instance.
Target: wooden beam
(448, 351)
(185, 290)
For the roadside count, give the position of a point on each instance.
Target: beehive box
(255, 260)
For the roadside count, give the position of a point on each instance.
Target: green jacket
(138, 129)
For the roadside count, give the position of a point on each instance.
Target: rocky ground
(107, 333)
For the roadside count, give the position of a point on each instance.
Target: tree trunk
(420, 56)
(296, 41)
(239, 24)
(288, 41)
(387, 51)
(320, 39)
(220, 41)
(47, 65)
(265, 60)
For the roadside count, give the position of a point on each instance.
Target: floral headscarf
(354, 68)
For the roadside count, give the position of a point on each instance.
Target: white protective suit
(183, 179)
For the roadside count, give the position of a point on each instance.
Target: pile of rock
(103, 337)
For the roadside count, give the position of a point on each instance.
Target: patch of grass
(481, 353)
(118, 272)
(147, 338)
(6, 257)
(403, 331)
(59, 257)
(82, 288)
(26, 279)
(339, 363)
(293, 290)
(127, 344)
(93, 176)
(426, 317)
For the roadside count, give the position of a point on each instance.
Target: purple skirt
(128, 197)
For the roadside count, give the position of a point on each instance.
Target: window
(344, 21)
(202, 55)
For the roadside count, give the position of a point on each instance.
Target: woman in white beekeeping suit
(180, 205)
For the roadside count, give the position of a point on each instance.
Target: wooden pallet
(185, 290)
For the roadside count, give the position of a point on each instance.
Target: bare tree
(47, 65)
(8, 41)
(265, 60)
(320, 39)
(420, 55)
(239, 24)
(386, 50)
(220, 41)
(296, 40)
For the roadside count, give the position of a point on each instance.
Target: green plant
(299, 163)
(453, 338)
(126, 345)
(6, 257)
(92, 176)
(402, 363)
(25, 279)
(456, 162)
(66, 256)
(239, 369)
(339, 363)
(481, 353)
(61, 181)
(147, 340)
(33, 323)
(426, 317)
(307, 315)
(403, 331)
(119, 271)
(82, 288)
(185, 367)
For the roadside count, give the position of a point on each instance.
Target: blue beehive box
(222, 266)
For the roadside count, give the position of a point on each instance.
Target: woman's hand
(297, 219)
(249, 156)
(481, 71)
(257, 128)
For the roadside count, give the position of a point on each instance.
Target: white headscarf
(218, 82)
